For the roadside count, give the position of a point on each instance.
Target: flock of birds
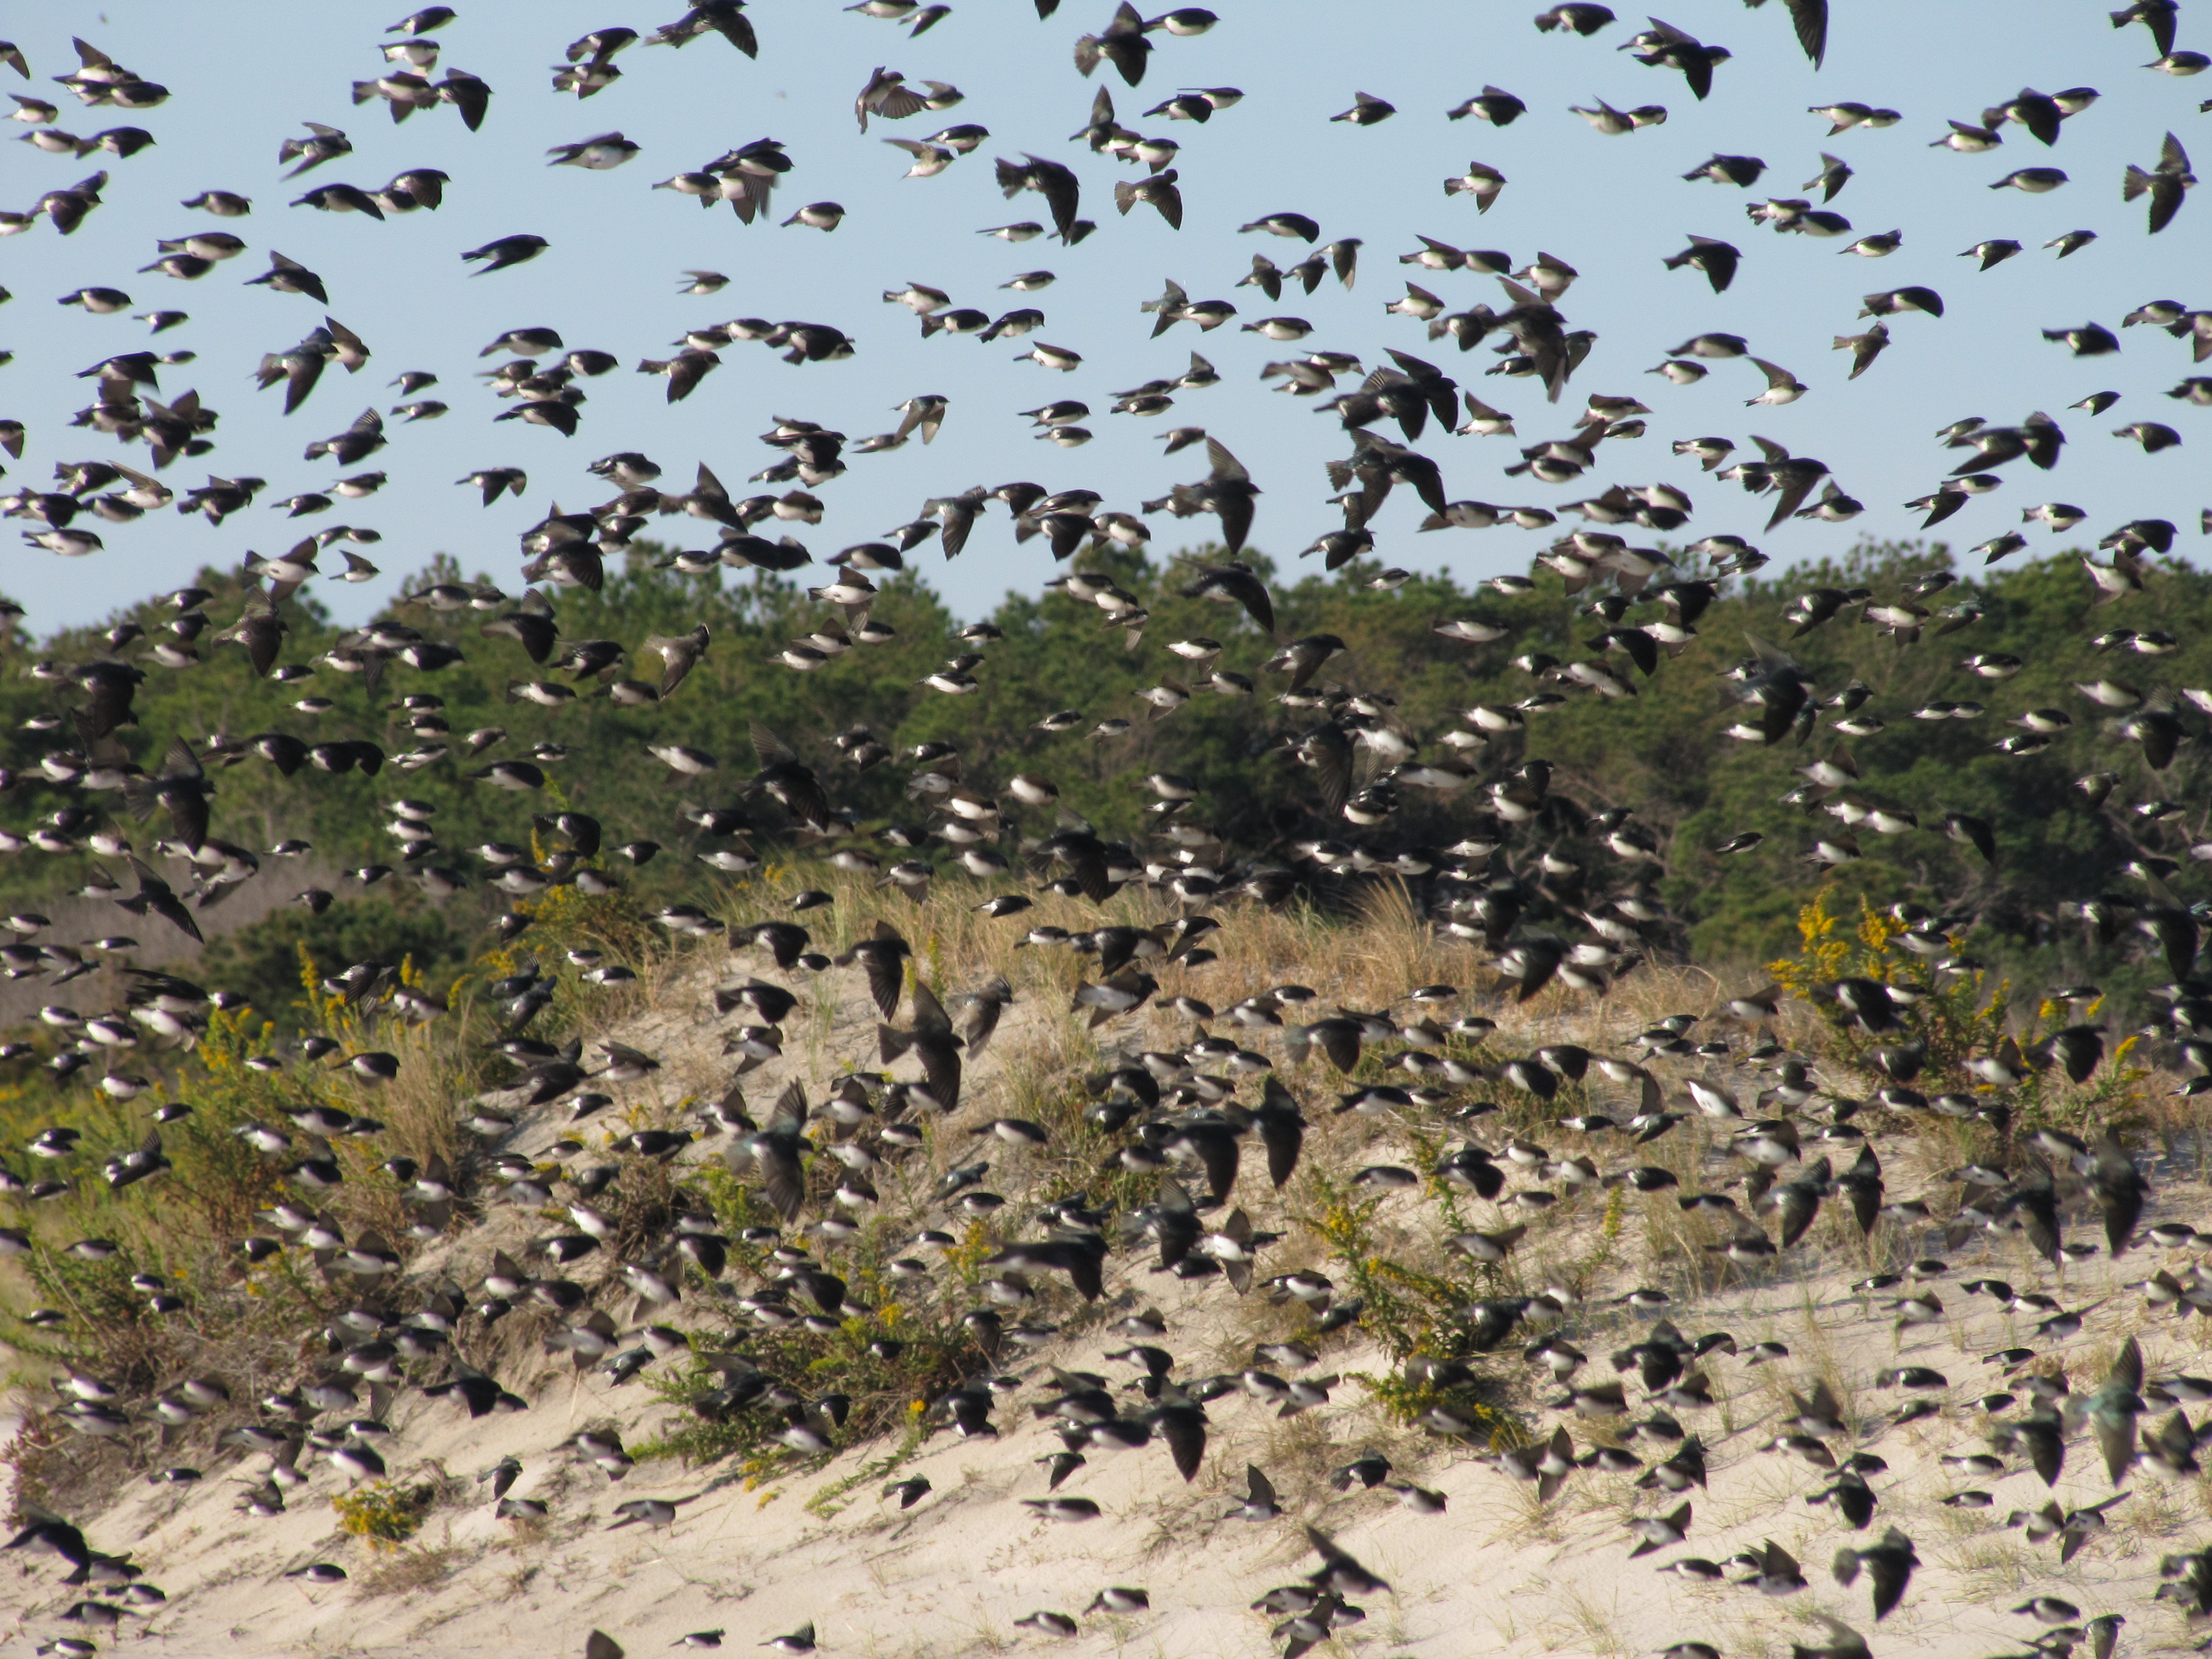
(1175, 1115)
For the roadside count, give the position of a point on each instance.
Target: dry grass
(1585, 1621)
(410, 1570)
(1998, 1560)
(2157, 1511)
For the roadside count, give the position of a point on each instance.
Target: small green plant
(1951, 1017)
(384, 1512)
(1417, 1315)
(1956, 1018)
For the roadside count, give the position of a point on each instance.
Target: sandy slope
(1497, 1574)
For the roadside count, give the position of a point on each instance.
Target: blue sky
(244, 79)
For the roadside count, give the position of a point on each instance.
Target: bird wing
(188, 813)
(1977, 833)
(772, 750)
(106, 705)
(1085, 1265)
(2118, 1190)
(1793, 497)
(1282, 1132)
(1326, 1547)
(2127, 1371)
(681, 655)
(1185, 1434)
(1061, 189)
(1866, 1202)
(1175, 1197)
(1226, 467)
(1811, 18)
(1691, 1459)
(1218, 1155)
(731, 22)
(1799, 1203)
(978, 1019)
(1339, 1041)
(788, 1115)
(929, 1015)
(2167, 192)
(2175, 1439)
(1247, 588)
(1890, 1571)
(1425, 476)
(914, 417)
(301, 371)
(1236, 513)
(2047, 1451)
(783, 1182)
(2039, 1209)
(685, 373)
(898, 102)
(1544, 342)
(2116, 1439)
(1088, 864)
(1330, 752)
(958, 519)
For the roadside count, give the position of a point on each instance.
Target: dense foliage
(1663, 753)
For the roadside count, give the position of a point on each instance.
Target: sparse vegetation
(1432, 1360)
(385, 1512)
(409, 1570)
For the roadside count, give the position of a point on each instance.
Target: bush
(263, 960)
(384, 1512)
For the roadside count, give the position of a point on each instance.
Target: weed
(407, 1571)
(384, 1512)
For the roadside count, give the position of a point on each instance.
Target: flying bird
(505, 252)
(2167, 184)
